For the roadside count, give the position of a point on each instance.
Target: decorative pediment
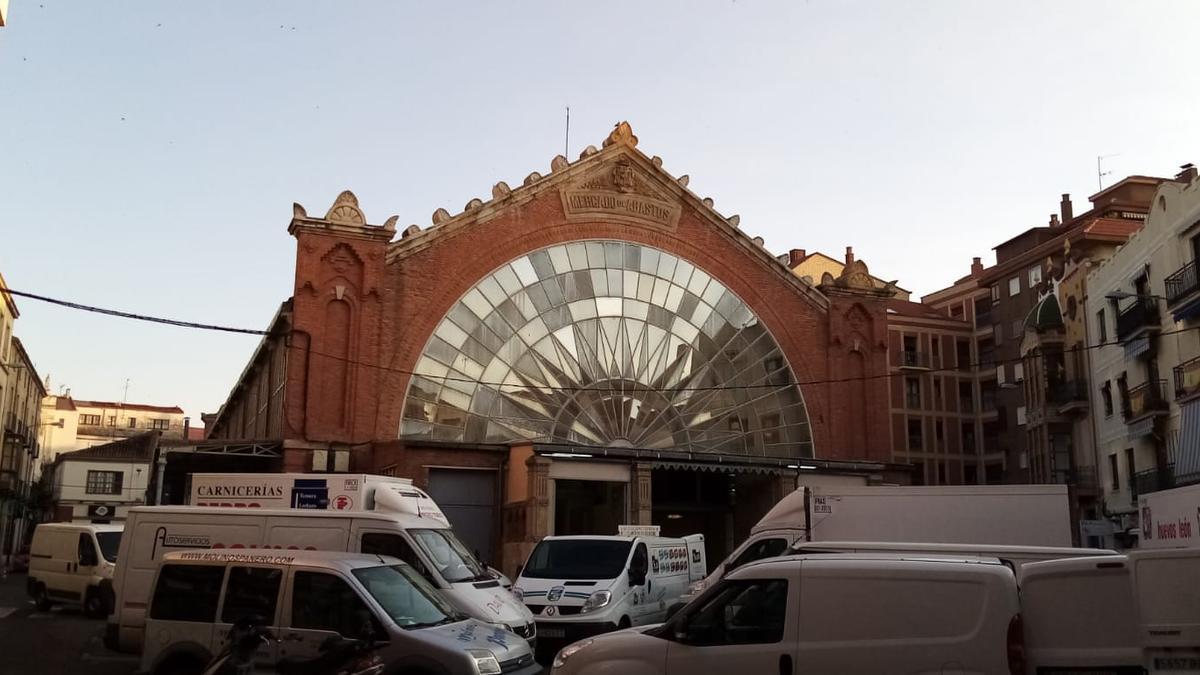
(620, 190)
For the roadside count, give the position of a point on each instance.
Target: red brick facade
(362, 314)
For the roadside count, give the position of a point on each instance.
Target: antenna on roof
(567, 140)
(1101, 173)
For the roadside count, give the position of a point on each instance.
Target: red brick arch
(423, 285)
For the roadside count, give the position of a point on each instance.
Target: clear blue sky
(151, 151)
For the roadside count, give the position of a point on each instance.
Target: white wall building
(102, 482)
(1143, 306)
(89, 423)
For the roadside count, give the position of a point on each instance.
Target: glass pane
(251, 592)
(579, 333)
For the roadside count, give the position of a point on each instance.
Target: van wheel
(41, 599)
(180, 665)
(624, 623)
(94, 606)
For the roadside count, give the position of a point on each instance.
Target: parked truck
(1170, 518)
(1012, 515)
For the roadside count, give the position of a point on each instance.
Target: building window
(1018, 372)
(914, 434)
(1000, 374)
(1102, 326)
(1023, 460)
(132, 422)
(912, 392)
(1114, 476)
(104, 482)
(1106, 396)
(1021, 415)
(1035, 276)
(939, 433)
(160, 424)
(112, 420)
(995, 292)
(1017, 329)
(1130, 471)
(997, 333)
(89, 420)
(1014, 286)
(937, 394)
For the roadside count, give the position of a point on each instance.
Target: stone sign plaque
(618, 192)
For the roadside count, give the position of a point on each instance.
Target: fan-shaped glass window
(606, 343)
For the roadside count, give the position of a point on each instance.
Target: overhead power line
(624, 388)
(133, 315)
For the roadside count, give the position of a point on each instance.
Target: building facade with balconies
(19, 450)
(1145, 315)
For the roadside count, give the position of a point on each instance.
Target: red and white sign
(1171, 518)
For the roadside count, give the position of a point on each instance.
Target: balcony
(1181, 289)
(1161, 478)
(1139, 316)
(983, 320)
(1069, 395)
(1145, 400)
(911, 358)
(966, 404)
(1187, 378)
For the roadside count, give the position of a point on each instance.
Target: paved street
(59, 642)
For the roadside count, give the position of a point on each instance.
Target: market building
(596, 346)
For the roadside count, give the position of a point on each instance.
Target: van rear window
(187, 593)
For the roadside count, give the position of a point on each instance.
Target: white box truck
(1012, 515)
(1170, 518)
(387, 516)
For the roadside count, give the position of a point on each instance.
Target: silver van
(307, 597)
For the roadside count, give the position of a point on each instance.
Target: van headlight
(485, 662)
(570, 650)
(596, 601)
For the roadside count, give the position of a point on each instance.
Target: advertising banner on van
(1171, 518)
(278, 491)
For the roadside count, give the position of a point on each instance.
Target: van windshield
(577, 559)
(109, 543)
(453, 561)
(406, 597)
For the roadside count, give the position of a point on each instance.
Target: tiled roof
(135, 448)
(63, 403)
(115, 405)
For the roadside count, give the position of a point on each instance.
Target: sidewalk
(12, 594)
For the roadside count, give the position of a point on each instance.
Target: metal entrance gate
(468, 498)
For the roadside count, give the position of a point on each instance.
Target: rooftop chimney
(976, 266)
(796, 256)
(1068, 212)
(849, 255)
(1187, 173)
(1054, 220)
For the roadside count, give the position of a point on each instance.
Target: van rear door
(1168, 608)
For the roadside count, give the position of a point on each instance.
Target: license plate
(1177, 663)
(552, 632)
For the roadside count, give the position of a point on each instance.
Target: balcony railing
(983, 320)
(1182, 283)
(1145, 399)
(1143, 313)
(911, 358)
(1187, 378)
(1162, 478)
(1069, 391)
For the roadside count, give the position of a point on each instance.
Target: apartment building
(1144, 311)
(82, 424)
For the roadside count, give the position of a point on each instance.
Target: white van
(306, 598)
(767, 544)
(1166, 587)
(73, 563)
(428, 544)
(838, 613)
(1080, 616)
(577, 586)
